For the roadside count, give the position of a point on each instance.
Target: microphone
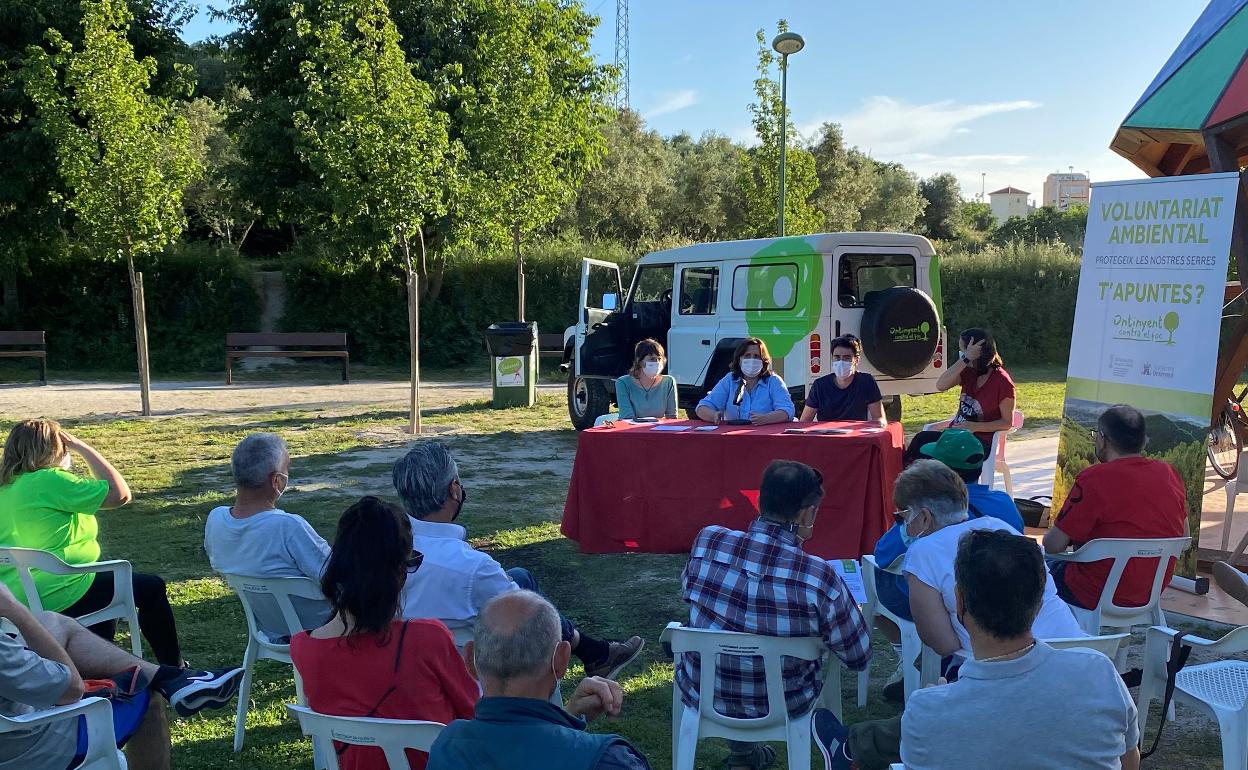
(740, 394)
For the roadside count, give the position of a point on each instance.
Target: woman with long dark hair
(645, 391)
(986, 403)
(750, 391)
(366, 662)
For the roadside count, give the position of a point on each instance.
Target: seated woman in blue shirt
(846, 393)
(644, 392)
(764, 397)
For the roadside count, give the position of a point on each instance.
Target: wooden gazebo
(1193, 119)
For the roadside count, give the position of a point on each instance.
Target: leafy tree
(1045, 224)
(759, 178)
(121, 152)
(847, 180)
(212, 199)
(977, 215)
(369, 132)
(943, 212)
(624, 198)
(706, 200)
(895, 202)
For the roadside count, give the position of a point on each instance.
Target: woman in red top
(365, 662)
(986, 403)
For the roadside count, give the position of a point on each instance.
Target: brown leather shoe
(619, 655)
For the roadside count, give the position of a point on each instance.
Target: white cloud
(888, 127)
(672, 101)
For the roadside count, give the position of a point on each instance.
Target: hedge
(1024, 293)
(194, 295)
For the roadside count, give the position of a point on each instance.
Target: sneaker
(830, 736)
(895, 687)
(194, 690)
(619, 655)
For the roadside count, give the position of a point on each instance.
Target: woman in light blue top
(764, 399)
(644, 392)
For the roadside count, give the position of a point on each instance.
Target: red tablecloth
(637, 489)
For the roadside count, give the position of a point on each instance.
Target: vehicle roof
(820, 243)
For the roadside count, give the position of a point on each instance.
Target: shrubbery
(195, 294)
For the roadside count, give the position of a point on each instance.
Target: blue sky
(1016, 90)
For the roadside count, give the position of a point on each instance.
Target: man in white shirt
(254, 537)
(455, 580)
(990, 716)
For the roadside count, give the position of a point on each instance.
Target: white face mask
(652, 368)
(842, 369)
(751, 367)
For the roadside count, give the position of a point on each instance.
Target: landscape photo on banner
(1147, 319)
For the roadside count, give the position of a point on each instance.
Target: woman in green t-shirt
(45, 506)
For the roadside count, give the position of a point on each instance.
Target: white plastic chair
(1108, 645)
(1218, 689)
(102, 753)
(120, 608)
(911, 646)
(392, 736)
(1122, 550)
(264, 643)
(692, 725)
(996, 452)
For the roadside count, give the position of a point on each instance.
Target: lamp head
(787, 43)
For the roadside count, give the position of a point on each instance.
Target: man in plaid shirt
(762, 582)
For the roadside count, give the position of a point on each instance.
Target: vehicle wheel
(892, 409)
(587, 401)
(1224, 445)
(899, 331)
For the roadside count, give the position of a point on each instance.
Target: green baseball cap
(959, 449)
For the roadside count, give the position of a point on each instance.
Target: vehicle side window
(861, 274)
(653, 282)
(765, 287)
(698, 287)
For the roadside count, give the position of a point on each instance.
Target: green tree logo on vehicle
(783, 294)
(1171, 322)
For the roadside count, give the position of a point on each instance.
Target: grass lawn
(515, 464)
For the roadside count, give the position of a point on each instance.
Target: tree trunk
(8, 300)
(515, 246)
(243, 237)
(140, 332)
(413, 328)
(432, 288)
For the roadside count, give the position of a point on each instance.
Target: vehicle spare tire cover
(900, 330)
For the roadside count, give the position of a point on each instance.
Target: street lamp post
(785, 44)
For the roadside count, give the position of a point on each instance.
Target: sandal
(764, 757)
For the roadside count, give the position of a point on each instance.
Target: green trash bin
(513, 352)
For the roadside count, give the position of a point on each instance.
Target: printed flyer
(1147, 319)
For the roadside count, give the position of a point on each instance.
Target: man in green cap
(963, 453)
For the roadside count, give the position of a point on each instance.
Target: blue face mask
(907, 539)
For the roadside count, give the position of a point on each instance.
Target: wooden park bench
(289, 345)
(550, 345)
(28, 345)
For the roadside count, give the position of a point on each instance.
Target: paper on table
(850, 572)
(671, 428)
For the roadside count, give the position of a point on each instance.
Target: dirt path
(75, 400)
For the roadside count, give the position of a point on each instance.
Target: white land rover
(796, 293)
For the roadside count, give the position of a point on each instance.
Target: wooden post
(413, 323)
(140, 326)
(515, 245)
(1233, 358)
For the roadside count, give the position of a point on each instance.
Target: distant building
(1063, 190)
(1009, 202)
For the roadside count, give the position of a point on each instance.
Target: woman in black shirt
(846, 393)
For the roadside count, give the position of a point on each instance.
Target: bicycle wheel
(1224, 446)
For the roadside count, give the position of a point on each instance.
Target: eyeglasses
(414, 561)
(900, 516)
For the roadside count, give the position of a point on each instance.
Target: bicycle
(1225, 442)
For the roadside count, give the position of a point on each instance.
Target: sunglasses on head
(900, 516)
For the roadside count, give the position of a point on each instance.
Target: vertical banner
(1147, 319)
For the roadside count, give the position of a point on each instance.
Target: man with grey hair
(254, 537)
(456, 580)
(519, 658)
(932, 503)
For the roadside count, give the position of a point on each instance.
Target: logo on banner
(1159, 328)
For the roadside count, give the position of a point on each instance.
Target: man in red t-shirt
(1125, 495)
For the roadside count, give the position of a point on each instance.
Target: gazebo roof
(1203, 87)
